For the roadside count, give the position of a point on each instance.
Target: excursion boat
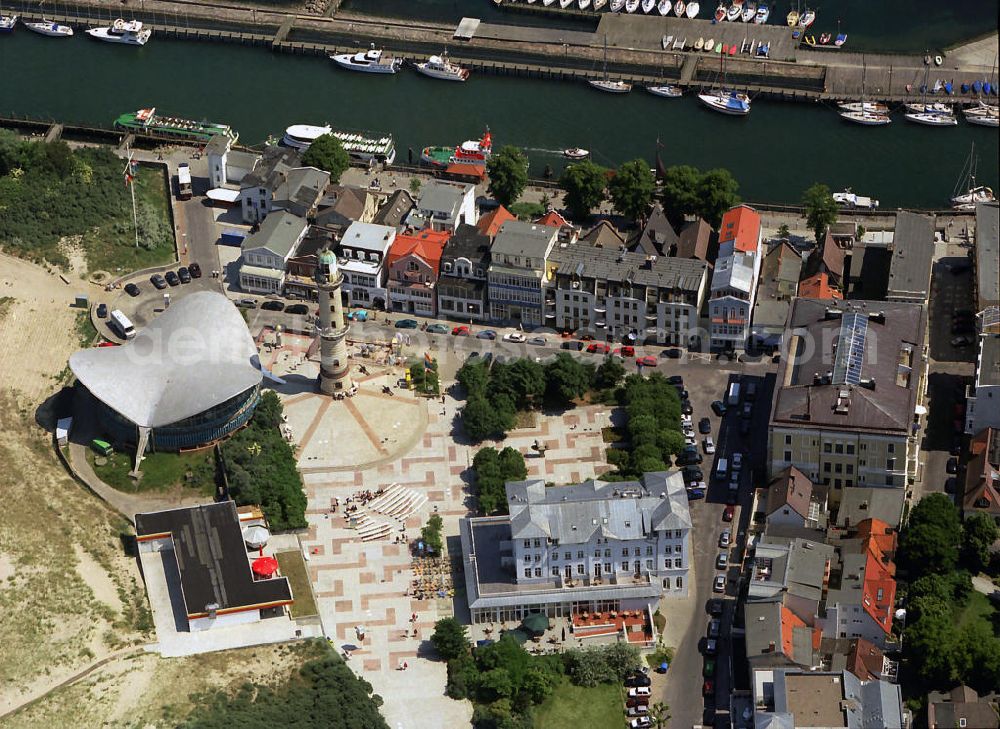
(931, 118)
(360, 146)
(763, 13)
(692, 10)
(370, 61)
(663, 7)
(7, 23)
(128, 32)
(441, 68)
(726, 102)
(473, 151)
(49, 28)
(300, 136)
(848, 199)
(866, 118)
(147, 121)
(667, 92)
(576, 153)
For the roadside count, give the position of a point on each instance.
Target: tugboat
(128, 32)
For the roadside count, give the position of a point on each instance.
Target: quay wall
(531, 52)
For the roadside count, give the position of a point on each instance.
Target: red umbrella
(264, 566)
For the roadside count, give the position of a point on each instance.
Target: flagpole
(130, 181)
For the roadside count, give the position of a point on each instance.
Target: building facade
(462, 285)
(414, 265)
(362, 261)
(265, 254)
(517, 273)
(735, 278)
(982, 403)
(444, 206)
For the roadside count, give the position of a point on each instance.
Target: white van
(734, 394)
(121, 324)
(721, 468)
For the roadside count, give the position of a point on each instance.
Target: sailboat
(864, 112)
(974, 194)
(983, 115)
(725, 101)
(606, 84)
(932, 115)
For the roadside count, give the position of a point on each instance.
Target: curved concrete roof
(195, 355)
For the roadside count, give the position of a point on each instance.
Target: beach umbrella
(965, 88)
(256, 536)
(264, 566)
(977, 86)
(519, 635)
(535, 623)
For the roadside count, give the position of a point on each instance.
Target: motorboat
(726, 102)
(720, 13)
(679, 8)
(840, 40)
(547, 3)
(576, 153)
(666, 40)
(848, 199)
(441, 68)
(598, 4)
(792, 18)
(681, 44)
(128, 32)
(709, 45)
(370, 61)
(975, 196)
(582, 4)
(873, 107)
(663, 8)
(931, 119)
(807, 18)
(668, 92)
(763, 13)
(699, 44)
(7, 23)
(631, 6)
(734, 12)
(615, 6)
(866, 118)
(749, 12)
(565, 3)
(648, 5)
(49, 28)
(925, 108)
(824, 38)
(612, 87)
(692, 10)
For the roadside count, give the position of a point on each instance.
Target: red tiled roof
(552, 219)
(742, 226)
(881, 534)
(879, 588)
(466, 170)
(789, 622)
(818, 286)
(490, 223)
(865, 660)
(426, 244)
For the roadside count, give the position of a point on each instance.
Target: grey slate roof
(394, 210)
(838, 699)
(273, 166)
(610, 264)
(987, 255)
(302, 186)
(989, 360)
(278, 234)
(657, 237)
(622, 510)
(517, 238)
(180, 381)
(859, 503)
(442, 197)
(467, 242)
(912, 254)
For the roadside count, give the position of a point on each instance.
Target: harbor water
(775, 153)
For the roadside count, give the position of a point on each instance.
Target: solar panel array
(850, 349)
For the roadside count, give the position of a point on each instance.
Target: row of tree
(492, 469)
(937, 550)
(653, 408)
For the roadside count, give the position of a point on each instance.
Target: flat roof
(212, 559)
(988, 373)
(814, 700)
(912, 256)
(987, 255)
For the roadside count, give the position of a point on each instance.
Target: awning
(221, 194)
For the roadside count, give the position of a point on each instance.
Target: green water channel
(775, 153)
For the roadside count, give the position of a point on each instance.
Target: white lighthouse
(334, 369)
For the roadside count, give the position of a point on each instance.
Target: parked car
(689, 459)
(728, 513)
(515, 337)
(598, 348)
(704, 426)
(963, 340)
(686, 408)
(131, 289)
(675, 380)
(273, 306)
(719, 584)
(537, 341)
(950, 485)
(647, 361)
(637, 701)
(247, 303)
(639, 691)
(184, 274)
(709, 446)
(194, 269)
(671, 353)
(437, 329)
(695, 493)
(714, 625)
(747, 409)
(952, 465)
(158, 281)
(406, 324)
(711, 646)
(460, 331)
(625, 352)
(572, 345)
(297, 309)
(637, 710)
(722, 561)
(642, 722)
(102, 311)
(737, 460)
(709, 669)
(487, 334)
(172, 278)
(718, 407)
(714, 606)
(708, 688)
(692, 473)
(638, 679)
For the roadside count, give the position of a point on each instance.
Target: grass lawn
(977, 608)
(160, 471)
(573, 707)
(293, 566)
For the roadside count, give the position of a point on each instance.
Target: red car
(598, 348)
(708, 688)
(637, 701)
(108, 344)
(728, 513)
(625, 351)
(460, 331)
(647, 361)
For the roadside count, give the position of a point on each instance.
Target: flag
(428, 360)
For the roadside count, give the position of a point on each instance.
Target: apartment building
(982, 402)
(848, 396)
(982, 476)
(444, 206)
(414, 265)
(792, 571)
(912, 258)
(279, 182)
(364, 248)
(517, 273)
(265, 253)
(735, 278)
(624, 296)
(792, 697)
(465, 261)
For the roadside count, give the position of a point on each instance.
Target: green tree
(622, 659)
(431, 534)
(928, 548)
(717, 191)
(566, 379)
(523, 381)
(508, 173)
(783, 231)
(609, 373)
(659, 714)
(327, 153)
(932, 643)
(537, 684)
(584, 184)
(679, 192)
(482, 419)
(631, 189)
(978, 536)
(821, 209)
(473, 377)
(671, 442)
(495, 684)
(450, 639)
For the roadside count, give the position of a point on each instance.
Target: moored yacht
(974, 196)
(441, 68)
(7, 23)
(612, 87)
(129, 32)
(873, 107)
(866, 118)
(692, 10)
(931, 118)
(49, 28)
(669, 92)
(726, 102)
(300, 136)
(370, 61)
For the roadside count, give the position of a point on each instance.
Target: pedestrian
(405, 665)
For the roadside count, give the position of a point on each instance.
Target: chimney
(771, 647)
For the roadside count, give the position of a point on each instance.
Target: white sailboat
(931, 118)
(631, 6)
(666, 91)
(973, 194)
(692, 10)
(983, 115)
(49, 28)
(663, 7)
(648, 5)
(606, 84)
(725, 101)
(863, 112)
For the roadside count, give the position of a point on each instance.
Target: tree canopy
(584, 184)
(821, 209)
(567, 378)
(631, 189)
(327, 153)
(979, 534)
(492, 470)
(450, 639)
(687, 190)
(508, 173)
